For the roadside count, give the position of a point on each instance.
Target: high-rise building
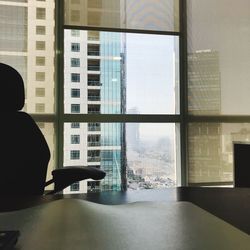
(204, 89)
(204, 97)
(94, 84)
(27, 44)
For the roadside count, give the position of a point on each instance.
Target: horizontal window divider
(123, 30)
(44, 118)
(106, 118)
(219, 118)
(222, 183)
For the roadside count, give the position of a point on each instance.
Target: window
(75, 77)
(136, 77)
(75, 108)
(40, 76)
(217, 87)
(94, 95)
(75, 15)
(75, 93)
(94, 140)
(75, 187)
(75, 154)
(40, 107)
(75, 33)
(161, 15)
(40, 60)
(75, 62)
(93, 35)
(40, 92)
(116, 73)
(94, 156)
(75, 125)
(93, 65)
(96, 126)
(118, 76)
(75, 47)
(40, 45)
(75, 139)
(93, 49)
(40, 13)
(40, 30)
(94, 80)
(94, 186)
(94, 109)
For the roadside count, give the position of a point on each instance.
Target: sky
(150, 73)
(150, 67)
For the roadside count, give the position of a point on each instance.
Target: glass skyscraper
(113, 98)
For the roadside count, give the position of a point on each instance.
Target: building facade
(95, 84)
(204, 96)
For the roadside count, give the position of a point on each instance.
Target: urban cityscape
(96, 83)
(100, 78)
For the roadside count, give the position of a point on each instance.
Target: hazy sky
(150, 73)
(150, 67)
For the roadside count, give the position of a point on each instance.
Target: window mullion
(59, 93)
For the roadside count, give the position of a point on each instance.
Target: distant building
(95, 84)
(204, 98)
(132, 131)
(204, 85)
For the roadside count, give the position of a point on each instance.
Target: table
(74, 224)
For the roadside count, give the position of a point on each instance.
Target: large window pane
(18, 48)
(133, 155)
(156, 15)
(13, 27)
(120, 73)
(211, 150)
(152, 155)
(218, 57)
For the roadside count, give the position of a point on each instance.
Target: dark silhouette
(24, 152)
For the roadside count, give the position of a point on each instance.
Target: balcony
(94, 65)
(94, 159)
(94, 98)
(94, 143)
(93, 186)
(94, 140)
(94, 35)
(94, 127)
(93, 38)
(94, 83)
(94, 95)
(94, 80)
(94, 109)
(93, 50)
(93, 53)
(94, 112)
(94, 156)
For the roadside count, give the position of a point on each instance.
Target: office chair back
(24, 150)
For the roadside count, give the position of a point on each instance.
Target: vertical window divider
(59, 79)
(183, 94)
